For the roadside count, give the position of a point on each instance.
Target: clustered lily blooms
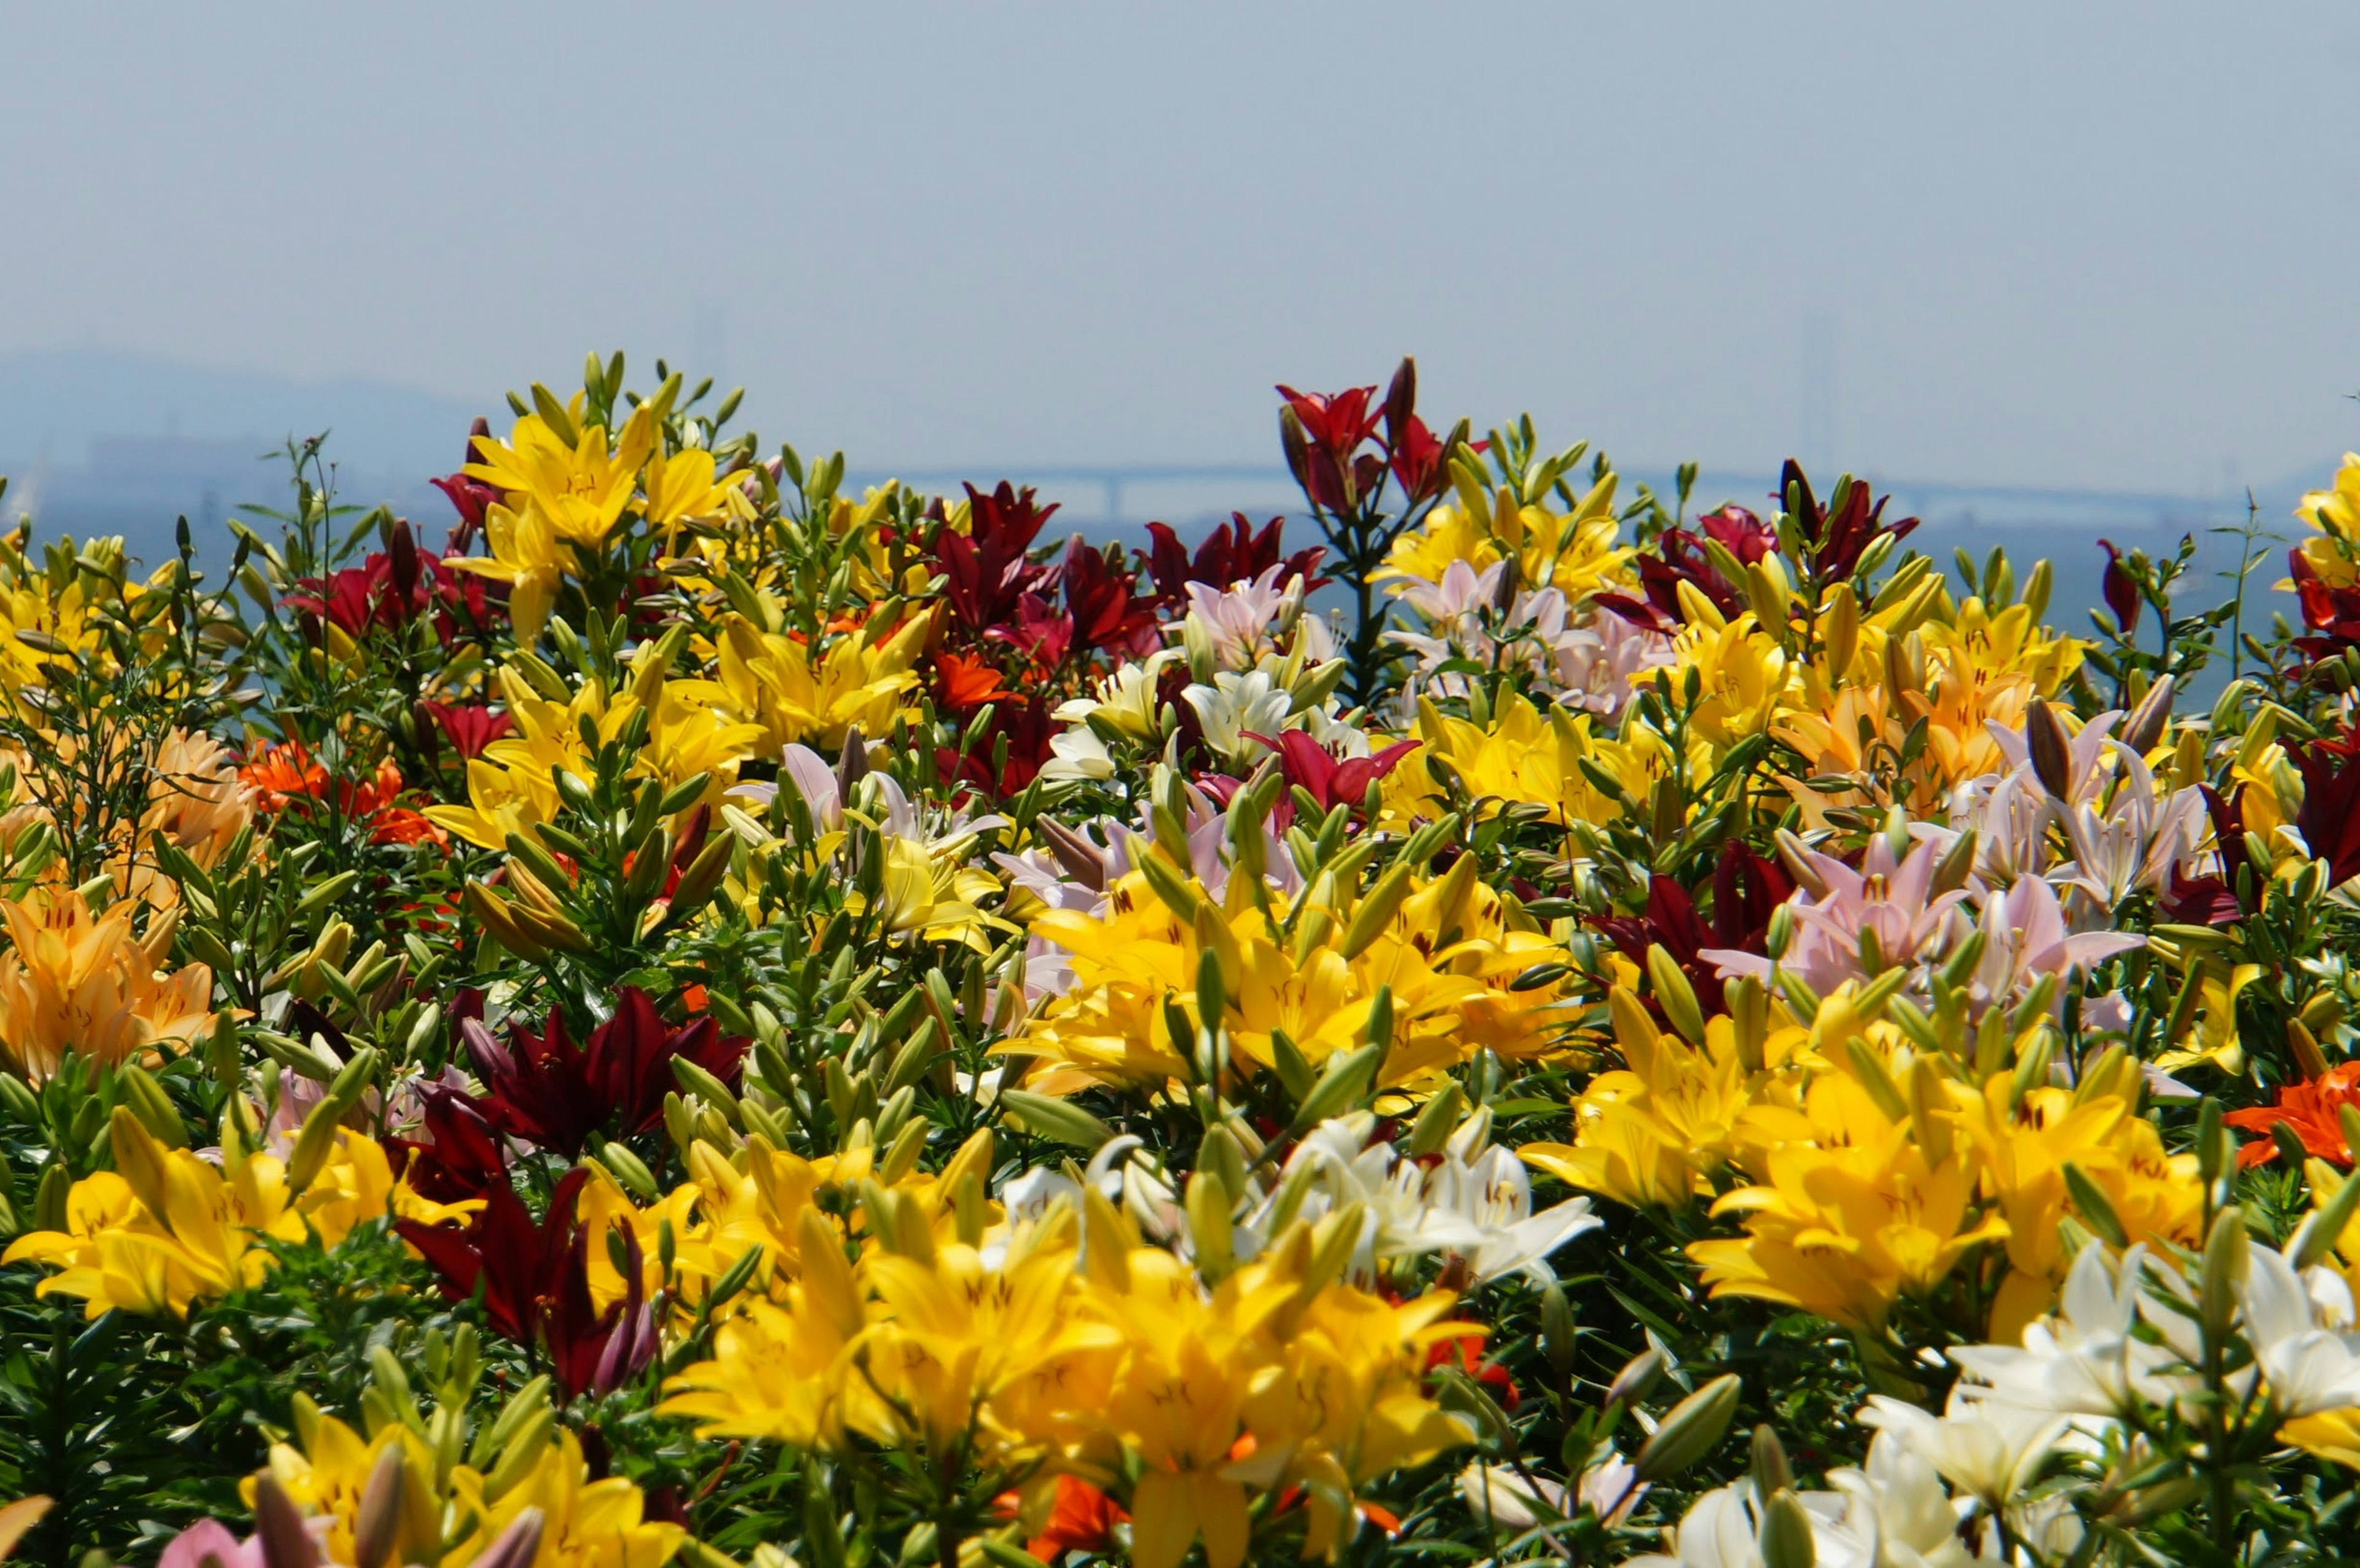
(717, 1020)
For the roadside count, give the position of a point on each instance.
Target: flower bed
(717, 1020)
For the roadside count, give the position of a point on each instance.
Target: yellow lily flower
(580, 490)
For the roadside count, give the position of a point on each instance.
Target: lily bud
(380, 1521)
(518, 1545)
(1693, 1428)
(2303, 1046)
(1772, 1472)
(285, 1543)
(1639, 1374)
(1675, 994)
(1557, 1328)
(1784, 1538)
(2144, 730)
(2225, 1262)
(2051, 748)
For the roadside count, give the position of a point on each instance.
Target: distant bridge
(1935, 500)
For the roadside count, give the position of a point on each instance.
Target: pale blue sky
(2110, 245)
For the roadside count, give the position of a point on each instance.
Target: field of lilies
(1511, 1017)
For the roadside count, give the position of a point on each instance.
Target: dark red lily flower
(1233, 552)
(1833, 544)
(1336, 421)
(548, 1092)
(987, 568)
(2205, 900)
(535, 1284)
(1419, 458)
(1010, 752)
(2228, 831)
(1039, 632)
(2121, 594)
(459, 1159)
(1746, 889)
(1102, 600)
(383, 593)
(2330, 818)
(1321, 434)
(519, 1264)
(1740, 532)
(469, 497)
(1328, 779)
(471, 726)
(1678, 557)
(1670, 921)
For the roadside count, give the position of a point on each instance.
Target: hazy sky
(2066, 244)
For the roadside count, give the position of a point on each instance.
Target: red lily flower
(987, 567)
(1327, 779)
(548, 1092)
(535, 1282)
(1337, 422)
(1041, 634)
(1101, 601)
(472, 726)
(1740, 532)
(2330, 818)
(381, 594)
(1745, 889)
(470, 498)
(1321, 433)
(1009, 755)
(460, 1156)
(1233, 552)
(1678, 557)
(1834, 543)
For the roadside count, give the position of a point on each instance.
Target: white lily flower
(2083, 1360)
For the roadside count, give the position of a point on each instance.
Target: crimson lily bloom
(1745, 889)
(1040, 633)
(1101, 601)
(1740, 532)
(1026, 728)
(470, 498)
(1234, 552)
(1331, 781)
(1835, 543)
(461, 1157)
(1678, 557)
(472, 726)
(987, 567)
(551, 1093)
(535, 1282)
(1321, 432)
(2330, 818)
